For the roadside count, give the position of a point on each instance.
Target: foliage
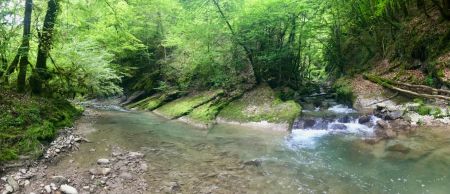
(28, 122)
(344, 92)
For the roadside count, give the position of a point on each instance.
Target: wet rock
(172, 187)
(308, 123)
(364, 119)
(13, 183)
(399, 148)
(255, 162)
(338, 126)
(401, 124)
(383, 124)
(103, 161)
(393, 115)
(144, 167)
(68, 189)
(345, 119)
(385, 133)
(135, 155)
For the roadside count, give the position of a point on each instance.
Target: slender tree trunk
(22, 53)
(25, 47)
(40, 74)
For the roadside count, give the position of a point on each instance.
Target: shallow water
(305, 161)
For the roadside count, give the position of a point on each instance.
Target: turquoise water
(212, 160)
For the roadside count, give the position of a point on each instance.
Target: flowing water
(313, 159)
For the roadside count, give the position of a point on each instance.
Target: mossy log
(393, 85)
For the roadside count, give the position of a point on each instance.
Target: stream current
(322, 155)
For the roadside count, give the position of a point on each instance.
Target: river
(230, 159)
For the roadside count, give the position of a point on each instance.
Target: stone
(399, 148)
(48, 189)
(23, 171)
(255, 162)
(53, 186)
(103, 161)
(308, 123)
(364, 119)
(135, 155)
(26, 183)
(105, 171)
(59, 180)
(126, 176)
(383, 124)
(13, 183)
(394, 115)
(144, 167)
(345, 119)
(9, 188)
(68, 189)
(338, 126)
(86, 188)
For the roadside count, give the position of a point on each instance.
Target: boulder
(13, 183)
(338, 126)
(394, 115)
(383, 124)
(364, 119)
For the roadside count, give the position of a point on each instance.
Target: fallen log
(388, 84)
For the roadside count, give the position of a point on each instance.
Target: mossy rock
(153, 102)
(261, 104)
(186, 105)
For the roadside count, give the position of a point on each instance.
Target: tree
(21, 57)
(40, 74)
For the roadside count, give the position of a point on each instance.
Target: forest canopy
(96, 48)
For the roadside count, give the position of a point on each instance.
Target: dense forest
(208, 59)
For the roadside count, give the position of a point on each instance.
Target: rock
(383, 124)
(345, 119)
(99, 171)
(338, 126)
(393, 115)
(255, 162)
(86, 188)
(59, 180)
(103, 161)
(126, 176)
(399, 148)
(48, 189)
(57, 150)
(92, 150)
(13, 183)
(53, 186)
(135, 155)
(144, 167)
(23, 171)
(26, 183)
(68, 189)
(308, 123)
(364, 119)
(9, 189)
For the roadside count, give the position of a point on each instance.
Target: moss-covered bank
(261, 107)
(26, 123)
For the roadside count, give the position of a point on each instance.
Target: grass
(28, 122)
(185, 105)
(261, 104)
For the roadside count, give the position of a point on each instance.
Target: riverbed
(230, 159)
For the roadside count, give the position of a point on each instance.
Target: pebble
(23, 171)
(136, 155)
(9, 189)
(53, 186)
(13, 183)
(144, 167)
(103, 161)
(92, 150)
(126, 175)
(68, 189)
(48, 189)
(86, 188)
(27, 182)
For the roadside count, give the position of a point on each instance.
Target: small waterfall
(338, 119)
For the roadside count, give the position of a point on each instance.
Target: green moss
(424, 110)
(28, 122)
(204, 114)
(185, 105)
(344, 92)
(261, 104)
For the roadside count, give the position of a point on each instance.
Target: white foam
(341, 109)
(306, 138)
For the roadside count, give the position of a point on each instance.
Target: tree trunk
(40, 74)
(25, 47)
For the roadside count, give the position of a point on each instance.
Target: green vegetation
(185, 105)
(344, 91)
(28, 122)
(261, 104)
